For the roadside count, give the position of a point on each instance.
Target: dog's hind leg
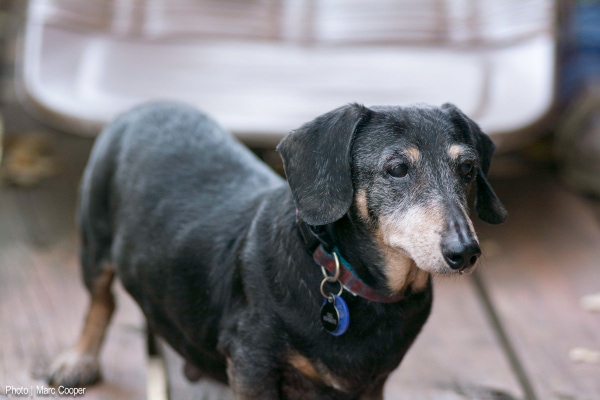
(79, 365)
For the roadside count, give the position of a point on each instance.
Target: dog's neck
(358, 256)
(341, 271)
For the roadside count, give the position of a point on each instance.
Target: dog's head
(401, 173)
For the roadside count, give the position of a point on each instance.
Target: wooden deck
(505, 333)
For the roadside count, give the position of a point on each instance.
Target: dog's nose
(459, 255)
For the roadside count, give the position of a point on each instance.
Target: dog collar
(348, 278)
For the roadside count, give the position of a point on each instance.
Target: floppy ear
(488, 206)
(316, 158)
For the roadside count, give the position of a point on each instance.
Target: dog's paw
(74, 369)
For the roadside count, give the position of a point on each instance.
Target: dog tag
(334, 315)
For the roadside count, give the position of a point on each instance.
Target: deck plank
(42, 299)
(540, 264)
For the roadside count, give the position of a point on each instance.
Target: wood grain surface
(540, 264)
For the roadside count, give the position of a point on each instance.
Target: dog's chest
(376, 342)
(346, 366)
(306, 378)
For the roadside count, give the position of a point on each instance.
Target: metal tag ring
(336, 275)
(332, 279)
(323, 288)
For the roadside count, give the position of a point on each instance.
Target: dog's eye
(465, 168)
(398, 171)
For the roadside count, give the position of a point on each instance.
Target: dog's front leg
(251, 377)
(249, 344)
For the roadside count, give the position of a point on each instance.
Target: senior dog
(311, 288)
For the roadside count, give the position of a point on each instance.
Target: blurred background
(524, 327)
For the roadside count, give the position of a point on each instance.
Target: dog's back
(160, 178)
(131, 175)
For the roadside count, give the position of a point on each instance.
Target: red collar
(348, 278)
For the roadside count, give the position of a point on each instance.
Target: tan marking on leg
(455, 151)
(304, 366)
(362, 205)
(99, 314)
(413, 154)
(79, 366)
(316, 372)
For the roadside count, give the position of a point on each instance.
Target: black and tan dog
(223, 256)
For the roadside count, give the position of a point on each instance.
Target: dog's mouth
(404, 269)
(443, 263)
(431, 245)
(447, 270)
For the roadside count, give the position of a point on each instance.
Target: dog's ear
(316, 159)
(488, 206)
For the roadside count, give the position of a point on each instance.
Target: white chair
(264, 67)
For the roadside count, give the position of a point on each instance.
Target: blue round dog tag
(335, 316)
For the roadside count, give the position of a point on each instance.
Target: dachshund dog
(311, 288)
